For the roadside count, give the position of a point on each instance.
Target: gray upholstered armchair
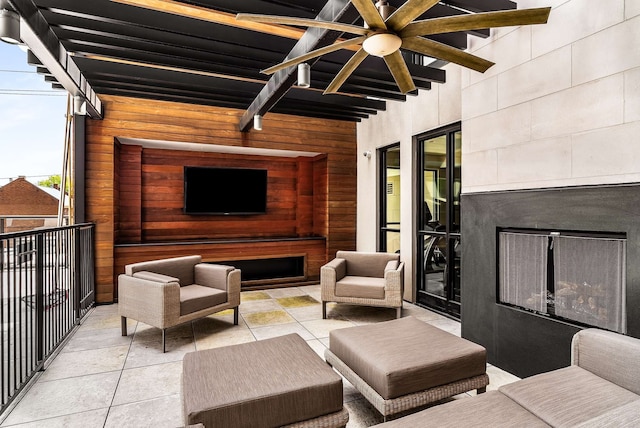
(361, 278)
(168, 292)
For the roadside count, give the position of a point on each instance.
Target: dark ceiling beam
(313, 38)
(45, 45)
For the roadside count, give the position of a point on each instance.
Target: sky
(32, 120)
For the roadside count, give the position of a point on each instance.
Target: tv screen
(225, 191)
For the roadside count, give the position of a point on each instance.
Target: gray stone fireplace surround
(521, 341)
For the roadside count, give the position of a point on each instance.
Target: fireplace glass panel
(567, 276)
(589, 281)
(523, 270)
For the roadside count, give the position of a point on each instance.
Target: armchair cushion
(178, 267)
(367, 263)
(197, 297)
(361, 286)
(156, 277)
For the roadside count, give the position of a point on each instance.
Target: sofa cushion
(156, 277)
(360, 286)
(490, 409)
(623, 416)
(406, 355)
(360, 263)
(268, 383)
(567, 396)
(195, 297)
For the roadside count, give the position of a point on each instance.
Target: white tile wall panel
(499, 129)
(631, 8)
(610, 151)
(590, 106)
(574, 20)
(480, 168)
(612, 50)
(632, 95)
(542, 76)
(536, 161)
(480, 98)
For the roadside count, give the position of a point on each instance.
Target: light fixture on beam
(9, 24)
(304, 75)
(257, 122)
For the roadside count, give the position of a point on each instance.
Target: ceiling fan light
(381, 44)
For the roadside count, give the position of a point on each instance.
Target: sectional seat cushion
(268, 383)
(490, 409)
(195, 297)
(568, 396)
(623, 416)
(361, 286)
(406, 355)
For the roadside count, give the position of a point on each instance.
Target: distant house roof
(20, 197)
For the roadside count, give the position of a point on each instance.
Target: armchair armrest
(394, 278)
(338, 266)
(152, 302)
(212, 275)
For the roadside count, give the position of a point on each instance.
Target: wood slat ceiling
(134, 51)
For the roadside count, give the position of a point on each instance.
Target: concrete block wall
(561, 106)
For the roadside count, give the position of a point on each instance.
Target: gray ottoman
(403, 364)
(269, 383)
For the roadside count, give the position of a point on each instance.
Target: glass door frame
(446, 303)
(383, 227)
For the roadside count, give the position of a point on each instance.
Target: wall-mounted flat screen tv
(225, 191)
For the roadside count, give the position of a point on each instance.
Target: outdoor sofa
(601, 388)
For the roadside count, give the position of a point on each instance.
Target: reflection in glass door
(439, 226)
(389, 238)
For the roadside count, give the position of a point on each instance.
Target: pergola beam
(44, 44)
(313, 38)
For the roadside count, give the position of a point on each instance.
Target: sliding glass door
(439, 183)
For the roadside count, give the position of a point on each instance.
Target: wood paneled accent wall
(329, 181)
(152, 196)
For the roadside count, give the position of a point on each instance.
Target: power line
(19, 71)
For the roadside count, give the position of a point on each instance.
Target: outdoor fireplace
(570, 276)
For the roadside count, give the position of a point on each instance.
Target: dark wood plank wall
(334, 212)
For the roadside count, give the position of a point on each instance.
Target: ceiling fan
(387, 30)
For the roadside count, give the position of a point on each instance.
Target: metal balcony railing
(47, 284)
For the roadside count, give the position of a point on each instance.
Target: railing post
(40, 297)
(78, 274)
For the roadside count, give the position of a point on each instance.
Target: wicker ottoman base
(278, 382)
(397, 380)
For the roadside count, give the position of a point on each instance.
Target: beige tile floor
(101, 379)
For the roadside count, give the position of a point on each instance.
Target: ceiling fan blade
(408, 12)
(400, 72)
(314, 54)
(303, 22)
(370, 14)
(346, 71)
(445, 52)
(476, 21)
